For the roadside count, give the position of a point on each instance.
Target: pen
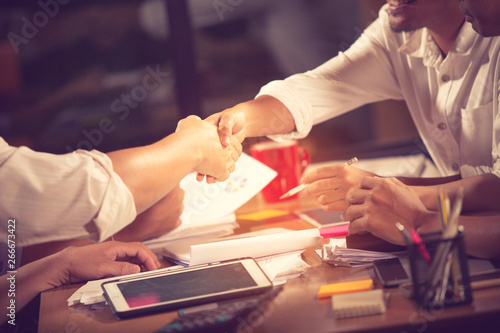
(301, 187)
(405, 233)
(443, 203)
(420, 245)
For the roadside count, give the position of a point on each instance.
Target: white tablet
(185, 287)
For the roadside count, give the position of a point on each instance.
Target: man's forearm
(266, 115)
(151, 172)
(481, 235)
(481, 193)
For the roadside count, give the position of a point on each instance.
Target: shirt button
(455, 166)
(442, 126)
(445, 78)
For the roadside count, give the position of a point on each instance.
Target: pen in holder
(439, 270)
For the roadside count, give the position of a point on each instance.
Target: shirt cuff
(118, 206)
(299, 108)
(467, 171)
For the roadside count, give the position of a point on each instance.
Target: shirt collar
(420, 44)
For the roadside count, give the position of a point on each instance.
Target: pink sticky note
(334, 230)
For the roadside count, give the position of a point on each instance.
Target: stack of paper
(209, 208)
(337, 254)
(259, 244)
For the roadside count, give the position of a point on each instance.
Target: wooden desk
(296, 309)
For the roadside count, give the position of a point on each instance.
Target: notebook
(362, 303)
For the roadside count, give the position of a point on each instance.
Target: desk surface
(296, 309)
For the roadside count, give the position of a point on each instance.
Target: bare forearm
(266, 116)
(482, 235)
(428, 188)
(151, 172)
(481, 193)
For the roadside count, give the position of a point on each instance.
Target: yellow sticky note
(262, 215)
(344, 287)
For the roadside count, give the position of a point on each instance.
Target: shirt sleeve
(56, 197)
(360, 75)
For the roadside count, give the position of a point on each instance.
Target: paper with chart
(209, 208)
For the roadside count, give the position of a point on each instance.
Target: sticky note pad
(334, 230)
(357, 304)
(345, 287)
(262, 215)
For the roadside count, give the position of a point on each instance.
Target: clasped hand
(215, 160)
(378, 203)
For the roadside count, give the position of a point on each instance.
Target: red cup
(288, 160)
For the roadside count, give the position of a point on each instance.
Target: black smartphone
(390, 272)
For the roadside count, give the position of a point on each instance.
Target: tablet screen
(185, 285)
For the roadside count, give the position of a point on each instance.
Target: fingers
(229, 122)
(233, 151)
(117, 268)
(138, 251)
(353, 213)
(330, 171)
(213, 119)
(357, 227)
(238, 148)
(322, 186)
(223, 123)
(373, 182)
(211, 180)
(225, 128)
(357, 196)
(336, 206)
(222, 178)
(333, 200)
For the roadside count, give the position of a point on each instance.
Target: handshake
(214, 154)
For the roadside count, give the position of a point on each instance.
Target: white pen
(301, 187)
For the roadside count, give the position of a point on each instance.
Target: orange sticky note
(262, 215)
(344, 287)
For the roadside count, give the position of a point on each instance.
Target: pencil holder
(439, 270)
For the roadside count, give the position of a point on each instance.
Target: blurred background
(113, 74)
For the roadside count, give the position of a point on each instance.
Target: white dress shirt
(55, 197)
(453, 100)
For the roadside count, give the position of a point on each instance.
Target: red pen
(421, 246)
